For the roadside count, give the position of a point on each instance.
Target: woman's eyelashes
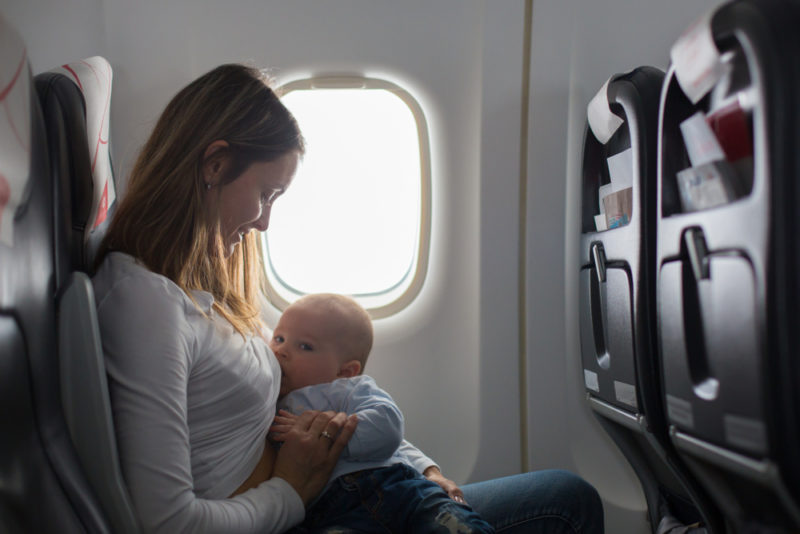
(268, 198)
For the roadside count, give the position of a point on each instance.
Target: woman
(193, 385)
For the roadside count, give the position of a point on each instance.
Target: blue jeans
(551, 501)
(394, 499)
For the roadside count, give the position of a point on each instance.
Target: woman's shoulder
(123, 276)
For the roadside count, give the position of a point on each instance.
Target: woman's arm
(149, 352)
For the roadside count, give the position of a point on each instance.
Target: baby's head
(320, 338)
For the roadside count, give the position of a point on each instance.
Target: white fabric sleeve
(416, 457)
(149, 349)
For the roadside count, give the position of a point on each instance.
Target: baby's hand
(433, 474)
(283, 423)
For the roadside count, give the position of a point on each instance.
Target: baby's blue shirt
(378, 439)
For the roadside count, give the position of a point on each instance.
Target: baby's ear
(350, 369)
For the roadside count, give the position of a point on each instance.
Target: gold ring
(325, 435)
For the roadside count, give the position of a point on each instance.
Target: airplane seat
(727, 262)
(42, 487)
(75, 100)
(617, 295)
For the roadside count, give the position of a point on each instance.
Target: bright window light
(355, 220)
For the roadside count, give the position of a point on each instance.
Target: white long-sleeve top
(192, 401)
(378, 439)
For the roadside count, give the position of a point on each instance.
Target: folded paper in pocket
(618, 207)
(602, 121)
(702, 145)
(706, 186)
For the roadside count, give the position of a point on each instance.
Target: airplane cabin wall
(57, 32)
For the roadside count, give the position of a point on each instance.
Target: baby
(322, 342)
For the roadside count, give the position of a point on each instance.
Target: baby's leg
(415, 504)
(437, 513)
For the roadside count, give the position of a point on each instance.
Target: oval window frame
(416, 273)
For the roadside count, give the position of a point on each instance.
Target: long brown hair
(162, 219)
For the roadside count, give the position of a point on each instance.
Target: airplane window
(356, 219)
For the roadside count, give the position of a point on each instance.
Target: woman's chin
(231, 245)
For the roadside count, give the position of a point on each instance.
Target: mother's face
(246, 202)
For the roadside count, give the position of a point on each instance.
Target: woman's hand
(311, 446)
(433, 474)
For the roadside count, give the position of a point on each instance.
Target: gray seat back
(84, 394)
(75, 99)
(42, 487)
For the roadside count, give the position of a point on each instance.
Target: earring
(208, 187)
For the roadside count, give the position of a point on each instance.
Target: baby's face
(305, 343)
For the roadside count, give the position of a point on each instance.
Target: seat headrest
(15, 127)
(93, 78)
